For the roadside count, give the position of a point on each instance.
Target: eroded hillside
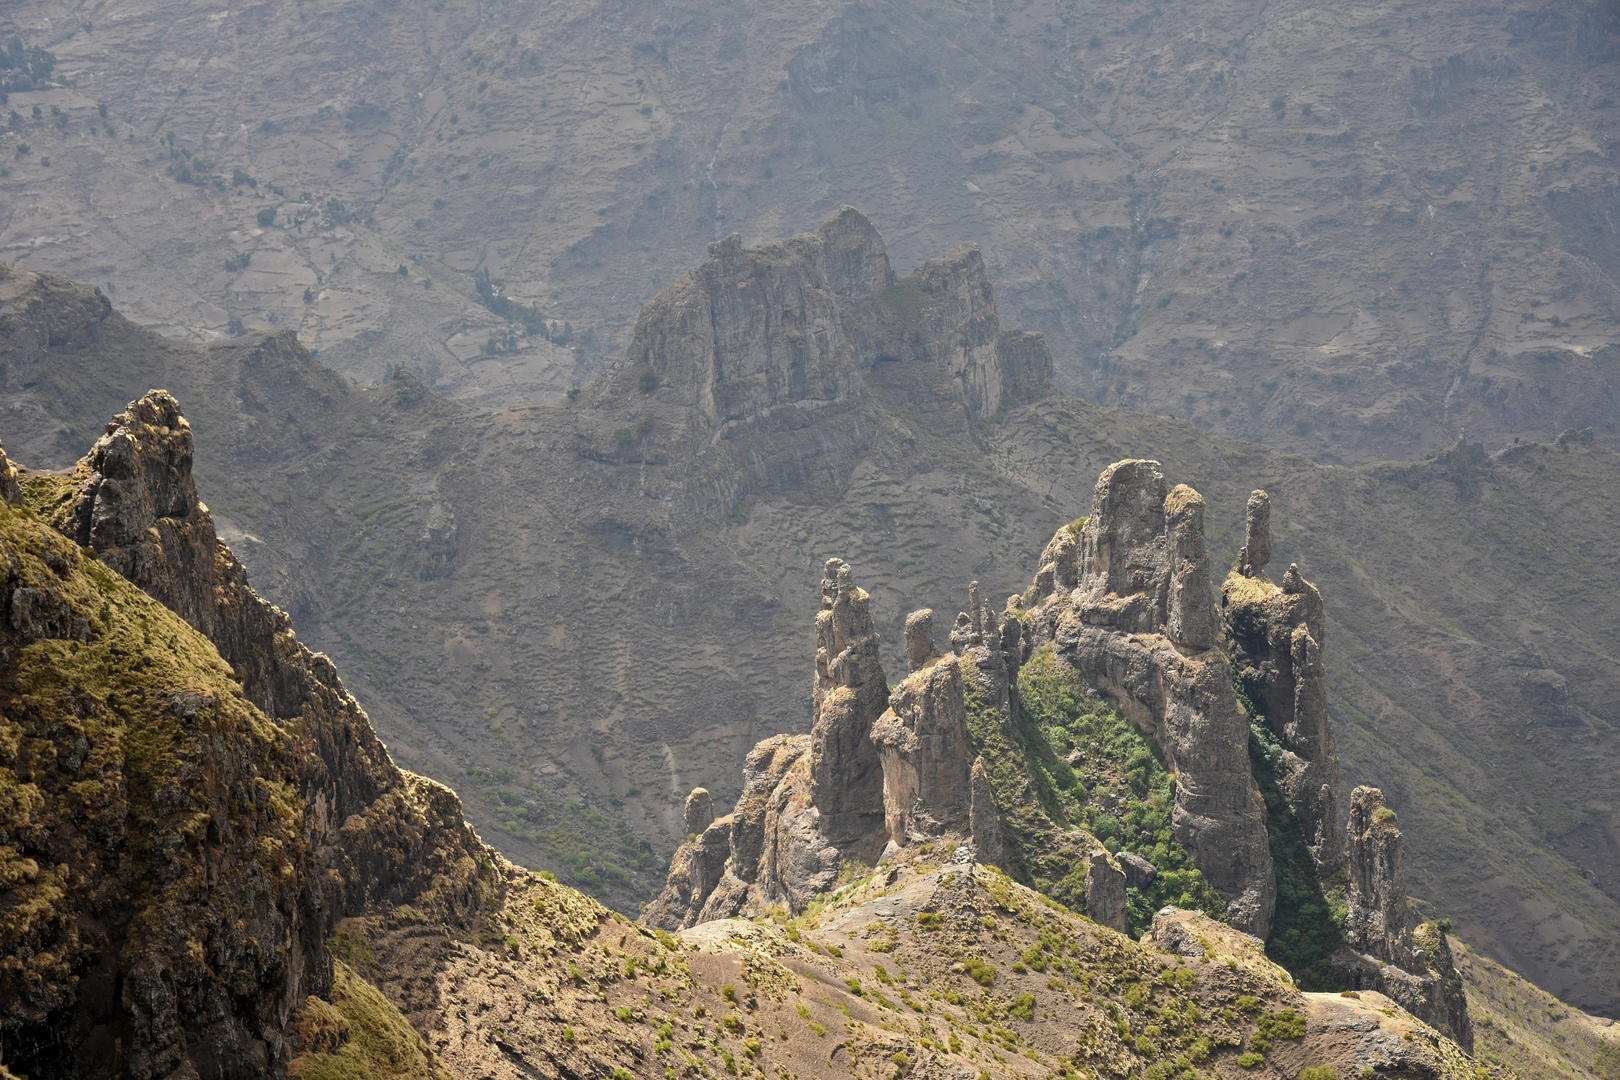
(580, 612)
(1343, 231)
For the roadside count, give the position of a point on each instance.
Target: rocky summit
(1123, 607)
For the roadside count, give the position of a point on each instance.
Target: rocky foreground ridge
(1123, 604)
(192, 801)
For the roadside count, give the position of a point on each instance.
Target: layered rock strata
(1138, 624)
(1276, 636)
(194, 955)
(1412, 965)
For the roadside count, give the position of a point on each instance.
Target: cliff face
(193, 799)
(796, 323)
(1132, 612)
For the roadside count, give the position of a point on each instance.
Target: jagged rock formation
(194, 941)
(1138, 624)
(922, 742)
(699, 811)
(808, 801)
(1276, 636)
(851, 692)
(795, 324)
(1385, 954)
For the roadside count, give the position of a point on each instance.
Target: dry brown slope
(622, 621)
(1341, 230)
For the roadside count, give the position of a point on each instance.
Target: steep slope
(1340, 231)
(181, 832)
(562, 607)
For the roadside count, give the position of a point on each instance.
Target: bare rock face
(922, 741)
(796, 323)
(136, 481)
(808, 801)
(1105, 892)
(1415, 968)
(1139, 627)
(10, 490)
(1256, 551)
(984, 820)
(1379, 921)
(699, 813)
(920, 639)
(1277, 636)
(851, 692)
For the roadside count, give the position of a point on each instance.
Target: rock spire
(1388, 950)
(1276, 638)
(1139, 626)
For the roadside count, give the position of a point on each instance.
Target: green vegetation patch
(1121, 790)
(1309, 924)
(359, 1035)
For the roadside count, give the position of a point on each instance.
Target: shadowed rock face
(851, 692)
(1276, 636)
(195, 942)
(1139, 627)
(1386, 953)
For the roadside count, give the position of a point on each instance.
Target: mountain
(213, 869)
(1343, 232)
(579, 612)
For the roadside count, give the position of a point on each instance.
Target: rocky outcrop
(198, 911)
(984, 821)
(1379, 920)
(1276, 636)
(1414, 966)
(809, 801)
(1105, 891)
(1139, 627)
(922, 743)
(851, 692)
(699, 811)
(10, 490)
(796, 323)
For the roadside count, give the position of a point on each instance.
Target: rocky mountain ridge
(182, 837)
(1346, 233)
(257, 931)
(1124, 599)
(577, 613)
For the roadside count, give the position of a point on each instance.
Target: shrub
(980, 971)
(930, 920)
(267, 217)
(1023, 1008)
(1318, 1072)
(1251, 1060)
(647, 379)
(624, 436)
